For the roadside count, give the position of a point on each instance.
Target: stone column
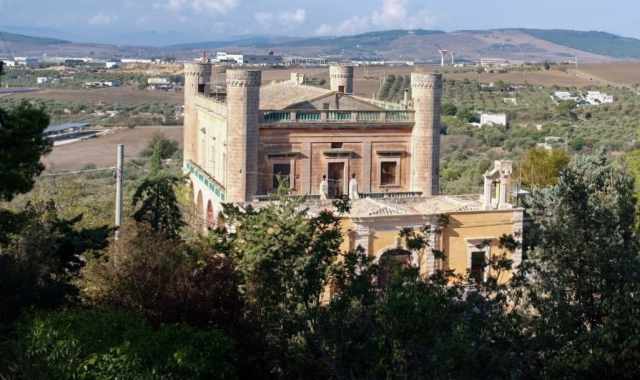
(362, 237)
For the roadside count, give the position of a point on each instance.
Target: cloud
(392, 14)
(102, 19)
(286, 19)
(218, 6)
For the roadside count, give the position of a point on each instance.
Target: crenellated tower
(426, 92)
(341, 78)
(243, 107)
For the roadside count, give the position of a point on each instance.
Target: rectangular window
(281, 176)
(336, 145)
(478, 264)
(388, 173)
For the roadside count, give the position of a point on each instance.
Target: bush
(100, 344)
(167, 147)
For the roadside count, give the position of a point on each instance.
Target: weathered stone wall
(243, 102)
(425, 139)
(195, 74)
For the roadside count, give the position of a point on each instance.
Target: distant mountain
(593, 42)
(531, 45)
(13, 38)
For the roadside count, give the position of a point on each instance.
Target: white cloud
(219, 6)
(285, 19)
(293, 17)
(392, 14)
(102, 19)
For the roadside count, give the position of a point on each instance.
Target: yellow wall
(453, 241)
(480, 225)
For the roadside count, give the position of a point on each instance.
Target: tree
(541, 168)
(21, 146)
(158, 204)
(39, 257)
(449, 109)
(578, 287)
(167, 146)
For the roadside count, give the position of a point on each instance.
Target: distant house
(42, 80)
(111, 65)
(8, 62)
(488, 119)
(565, 96)
(27, 61)
(158, 81)
(596, 98)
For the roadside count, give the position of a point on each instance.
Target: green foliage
(577, 287)
(40, 253)
(593, 42)
(449, 109)
(541, 168)
(158, 204)
(21, 146)
(97, 344)
(166, 280)
(166, 146)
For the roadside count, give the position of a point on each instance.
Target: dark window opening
(477, 266)
(388, 173)
(201, 88)
(341, 89)
(392, 263)
(281, 176)
(326, 106)
(336, 145)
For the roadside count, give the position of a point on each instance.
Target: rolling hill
(417, 45)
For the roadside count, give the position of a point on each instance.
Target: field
(625, 73)
(101, 151)
(121, 95)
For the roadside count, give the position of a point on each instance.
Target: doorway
(336, 179)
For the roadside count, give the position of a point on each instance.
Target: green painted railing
(205, 180)
(308, 116)
(338, 116)
(399, 116)
(368, 116)
(276, 117)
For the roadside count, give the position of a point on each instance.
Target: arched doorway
(391, 263)
(211, 221)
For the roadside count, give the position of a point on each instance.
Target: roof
(277, 96)
(397, 207)
(62, 127)
(290, 95)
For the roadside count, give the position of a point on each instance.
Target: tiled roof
(280, 95)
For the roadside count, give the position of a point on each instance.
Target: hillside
(594, 42)
(532, 45)
(22, 39)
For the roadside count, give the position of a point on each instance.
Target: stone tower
(341, 78)
(426, 92)
(197, 77)
(243, 106)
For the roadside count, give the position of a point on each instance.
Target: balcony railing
(315, 197)
(205, 179)
(335, 116)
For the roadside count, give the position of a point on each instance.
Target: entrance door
(336, 179)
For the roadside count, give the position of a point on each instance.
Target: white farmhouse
(494, 119)
(596, 97)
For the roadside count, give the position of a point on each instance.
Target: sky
(162, 22)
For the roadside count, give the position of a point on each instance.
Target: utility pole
(119, 181)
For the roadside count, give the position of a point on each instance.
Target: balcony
(335, 116)
(205, 179)
(315, 197)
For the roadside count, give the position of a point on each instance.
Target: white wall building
(42, 80)
(597, 97)
(8, 62)
(501, 119)
(158, 81)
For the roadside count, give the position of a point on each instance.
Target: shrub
(102, 344)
